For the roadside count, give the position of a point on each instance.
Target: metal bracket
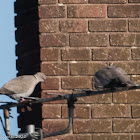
(32, 133)
(70, 102)
(37, 134)
(71, 99)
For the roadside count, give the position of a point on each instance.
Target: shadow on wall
(28, 53)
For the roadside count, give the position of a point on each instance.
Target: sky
(7, 56)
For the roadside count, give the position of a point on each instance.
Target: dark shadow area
(28, 53)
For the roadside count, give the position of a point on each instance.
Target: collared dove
(22, 86)
(112, 77)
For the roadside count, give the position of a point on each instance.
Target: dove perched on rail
(111, 77)
(22, 86)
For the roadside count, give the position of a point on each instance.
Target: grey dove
(22, 86)
(111, 77)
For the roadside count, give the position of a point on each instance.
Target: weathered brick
(73, 26)
(136, 78)
(76, 83)
(124, 11)
(129, 67)
(70, 137)
(48, 26)
(91, 126)
(87, 11)
(108, 111)
(136, 137)
(49, 54)
(77, 137)
(126, 97)
(51, 84)
(51, 111)
(95, 99)
(125, 40)
(80, 112)
(136, 111)
(84, 40)
(52, 69)
(107, 25)
(85, 68)
(107, 1)
(134, 25)
(111, 137)
(76, 54)
(51, 12)
(73, 1)
(54, 125)
(45, 95)
(126, 125)
(55, 40)
(136, 53)
(46, 1)
(134, 1)
(116, 54)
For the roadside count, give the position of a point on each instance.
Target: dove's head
(40, 76)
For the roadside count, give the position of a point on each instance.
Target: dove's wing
(18, 85)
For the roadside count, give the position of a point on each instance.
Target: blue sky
(7, 54)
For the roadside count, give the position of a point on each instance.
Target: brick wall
(76, 38)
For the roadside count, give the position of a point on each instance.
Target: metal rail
(71, 99)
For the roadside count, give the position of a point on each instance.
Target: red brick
(45, 94)
(107, 25)
(136, 54)
(136, 78)
(76, 54)
(108, 111)
(76, 83)
(87, 11)
(55, 40)
(80, 112)
(111, 137)
(49, 54)
(126, 97)
(73, 26)
(85, 68)
(73, 1)
(134, 25)
(124, 11)
(77, 137)
(134, 1)
(46, 26)
(136, 137)
(107, 1)
(54, 125)
(85, 40)
(91, 126)
(125, 40)
(116, 54)
(126, 125)
(47, 1)
(51, 84)
(51, 111)
(70, 137)
(51, 12)
(54, 69)
(136, 111)
(95, 99)
(129, 67)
